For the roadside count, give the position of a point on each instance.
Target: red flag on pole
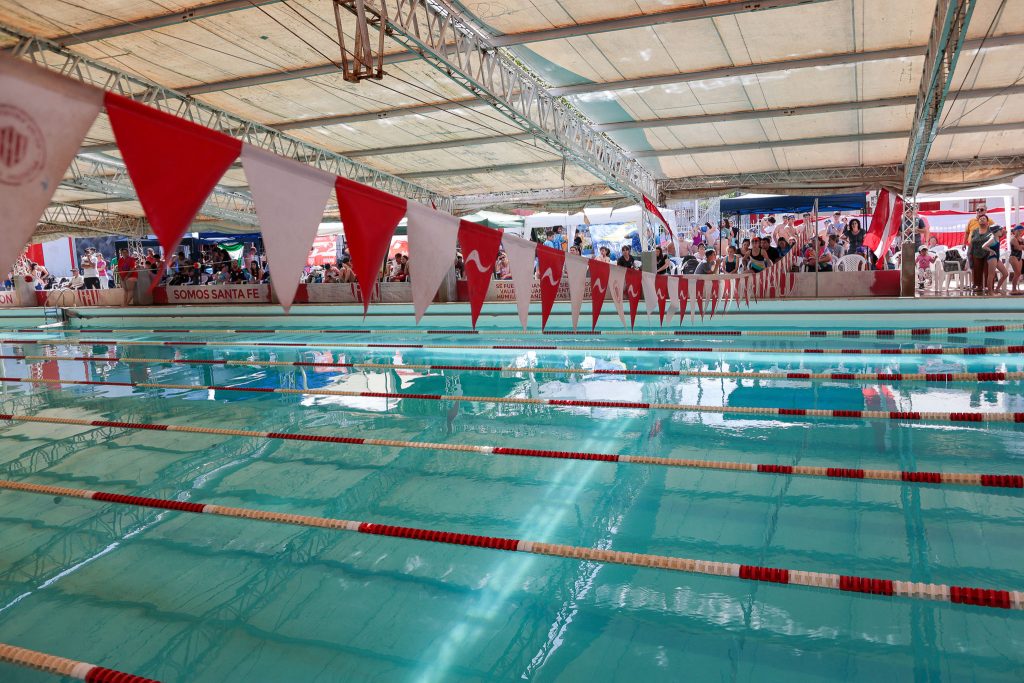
(480, 247)
(885, 223)
(370, 218)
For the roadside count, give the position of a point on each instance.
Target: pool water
(183, 597)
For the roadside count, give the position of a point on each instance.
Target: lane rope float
(968, 595)
(891, 351)
(952, 478)
(884, 333)
(945, 377)
(930, 416)
(61, 666)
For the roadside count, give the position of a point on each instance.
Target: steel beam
(161, 21)
(460, 50)
(717, 149)
(643, 20)
(949, 31)
(827, 178)
(50, 55)
(549, 198)
(60, 218)
(90, 173)
(773, 67)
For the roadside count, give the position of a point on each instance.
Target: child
(924, 268)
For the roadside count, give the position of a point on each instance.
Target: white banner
(616, 287)
(218, 294)
(576, 278)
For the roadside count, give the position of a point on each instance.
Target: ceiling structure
(699, 96)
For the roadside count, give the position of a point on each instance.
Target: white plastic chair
(852, 262)
(943, 277)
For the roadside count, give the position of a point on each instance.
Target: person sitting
(758, 256)
(731, 262)
(924, 263)
(503, 270)
(710, 264)
(399, 271)
(77, 281)
(604, 254)
(661, 262)
(627, 260)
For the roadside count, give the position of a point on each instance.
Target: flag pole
(817, 254)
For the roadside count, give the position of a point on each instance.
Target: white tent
(1009, 194)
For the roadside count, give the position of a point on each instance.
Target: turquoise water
(182, 597)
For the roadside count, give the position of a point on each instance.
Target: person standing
(1016, 255)
(90, 273)
(979, 255)
(127, 270)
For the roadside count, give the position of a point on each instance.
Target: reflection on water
(185, 597)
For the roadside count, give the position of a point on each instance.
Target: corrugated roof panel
(497, 154)
(501, 181)
(517, 16)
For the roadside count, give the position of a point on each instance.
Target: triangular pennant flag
(662, 292)
(699, 296)
(576, 272)
(369, 217)
(746, 289)
(43, 119)
(600, 272)
(634, 289)
(650, 294)
(480, 247)
(432, 236)
(173, 164)
(521, 255)
(684, 298)
(289, 197)
(616, 286)
(716, 285)
(550, 262)
(726, 292)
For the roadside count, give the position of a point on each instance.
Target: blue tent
(854, 201)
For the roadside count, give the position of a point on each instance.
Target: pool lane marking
(61, 666)
(952, 478)
(982, 597)
(709, 332)
(945, 377)
(894, 351)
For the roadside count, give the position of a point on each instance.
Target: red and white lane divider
(709, 332)
(1012, 481)
(945, 377)
(892, 351)
(69, 668)
(968, 595)
(633, 405)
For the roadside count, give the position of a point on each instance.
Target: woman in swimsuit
(732, 262)
(1016, 254)
(997, 272)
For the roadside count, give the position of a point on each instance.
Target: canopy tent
(772, 203)
(1009, 194)
(594, 216)
(948, 226)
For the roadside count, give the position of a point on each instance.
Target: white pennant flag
(521, 254)
(290, 198)
(43, 119)
(432, 237)
(650, 294)
(576, 272)
(616, 286)
(673, 298)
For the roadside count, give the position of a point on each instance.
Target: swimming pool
(196, 597)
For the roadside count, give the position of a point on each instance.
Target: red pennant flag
(726, 293)
(684, 298)
(746, 289)
(699, 296)
(550, 262)
(480, 247)
(599, 272)
(634, 288)
(370, 218)
(661, 288)
(173, 164)
(716, 283)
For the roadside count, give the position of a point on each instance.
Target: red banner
(634, 288)
(599, 271)
(550, 263)
(480, 250)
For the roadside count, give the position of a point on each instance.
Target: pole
(814, 247)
